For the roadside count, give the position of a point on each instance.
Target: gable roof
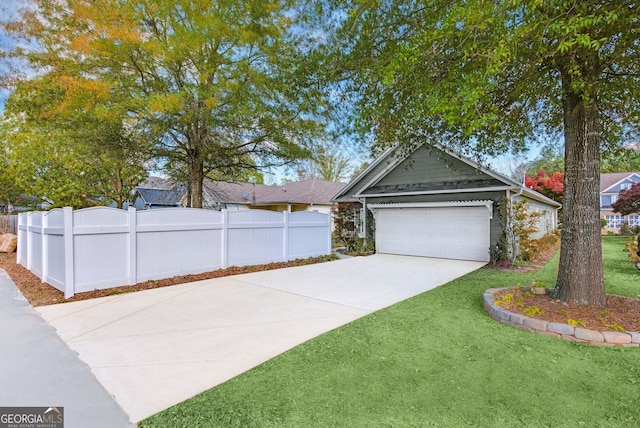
(391, 159)
(165, 197)
(303, 192)
(609, 180)
(317, 192)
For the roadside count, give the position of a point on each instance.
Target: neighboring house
(434, 203)
(610, 187)
(309, 195)
(148, 198)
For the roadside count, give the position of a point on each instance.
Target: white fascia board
(434, 192)
(532, 194)
(480, 203)
(379, 176)
(356, 180)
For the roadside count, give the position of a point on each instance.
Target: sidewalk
(38, 369)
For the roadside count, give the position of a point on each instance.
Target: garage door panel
(445, 232)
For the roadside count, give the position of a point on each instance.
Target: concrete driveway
(156, 348)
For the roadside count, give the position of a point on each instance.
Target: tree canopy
(215, 84)
(80, 158)
(624, 159)
(551, 159)
(326, 163)
(484, 78)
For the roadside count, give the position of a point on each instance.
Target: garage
(432, 202)
(450, 230)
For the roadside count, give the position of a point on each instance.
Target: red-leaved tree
(628, 201)
(552, 187)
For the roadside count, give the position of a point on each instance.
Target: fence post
(285, 243)
(224, 253)
(329, 234)
(29, 242)
(133, 246)
(45, 248)
(69, 269)
(22, 239)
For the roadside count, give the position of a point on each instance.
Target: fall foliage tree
(84, 159)
(628, 201)
(214, 84)
(485, 78)
(552, 187)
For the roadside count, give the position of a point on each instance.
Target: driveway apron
(39, 370)
(155, 348)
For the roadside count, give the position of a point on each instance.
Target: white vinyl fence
(97, 248)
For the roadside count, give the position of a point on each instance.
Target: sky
(8, 10)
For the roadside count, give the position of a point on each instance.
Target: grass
(435, 360)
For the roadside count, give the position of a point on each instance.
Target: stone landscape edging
(559, 330)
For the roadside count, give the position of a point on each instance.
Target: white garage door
(461, 233)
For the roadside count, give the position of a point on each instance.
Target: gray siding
(547, 221)
(386, 163)
(617, 188)
(432, 170)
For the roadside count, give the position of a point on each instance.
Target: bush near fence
(97, 248)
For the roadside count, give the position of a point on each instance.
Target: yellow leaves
(82, 43)
(165, 103)
(80, 93)
(113, 21)
(211, 103)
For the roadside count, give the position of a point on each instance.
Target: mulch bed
(619, 314)
(40, 294)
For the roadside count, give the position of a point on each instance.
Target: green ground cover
(435, 360)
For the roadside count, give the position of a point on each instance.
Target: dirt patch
(619, 314)
(40, 294)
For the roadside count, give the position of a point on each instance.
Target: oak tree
(215, 84)
(484, 78)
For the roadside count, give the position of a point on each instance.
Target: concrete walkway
(156, 348)
(37, 369)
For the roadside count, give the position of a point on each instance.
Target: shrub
(625, 229)
(518, 226)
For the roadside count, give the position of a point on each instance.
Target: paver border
(559, 330)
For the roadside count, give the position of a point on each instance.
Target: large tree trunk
(580, 276)
(197, 177)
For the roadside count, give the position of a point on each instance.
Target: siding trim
(482, 203)
(434, 192)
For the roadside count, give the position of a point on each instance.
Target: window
(625, 186)
(614, 221)
(634, 220)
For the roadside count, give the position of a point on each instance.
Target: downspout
(364, 219)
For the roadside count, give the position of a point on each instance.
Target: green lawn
(435, 360)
